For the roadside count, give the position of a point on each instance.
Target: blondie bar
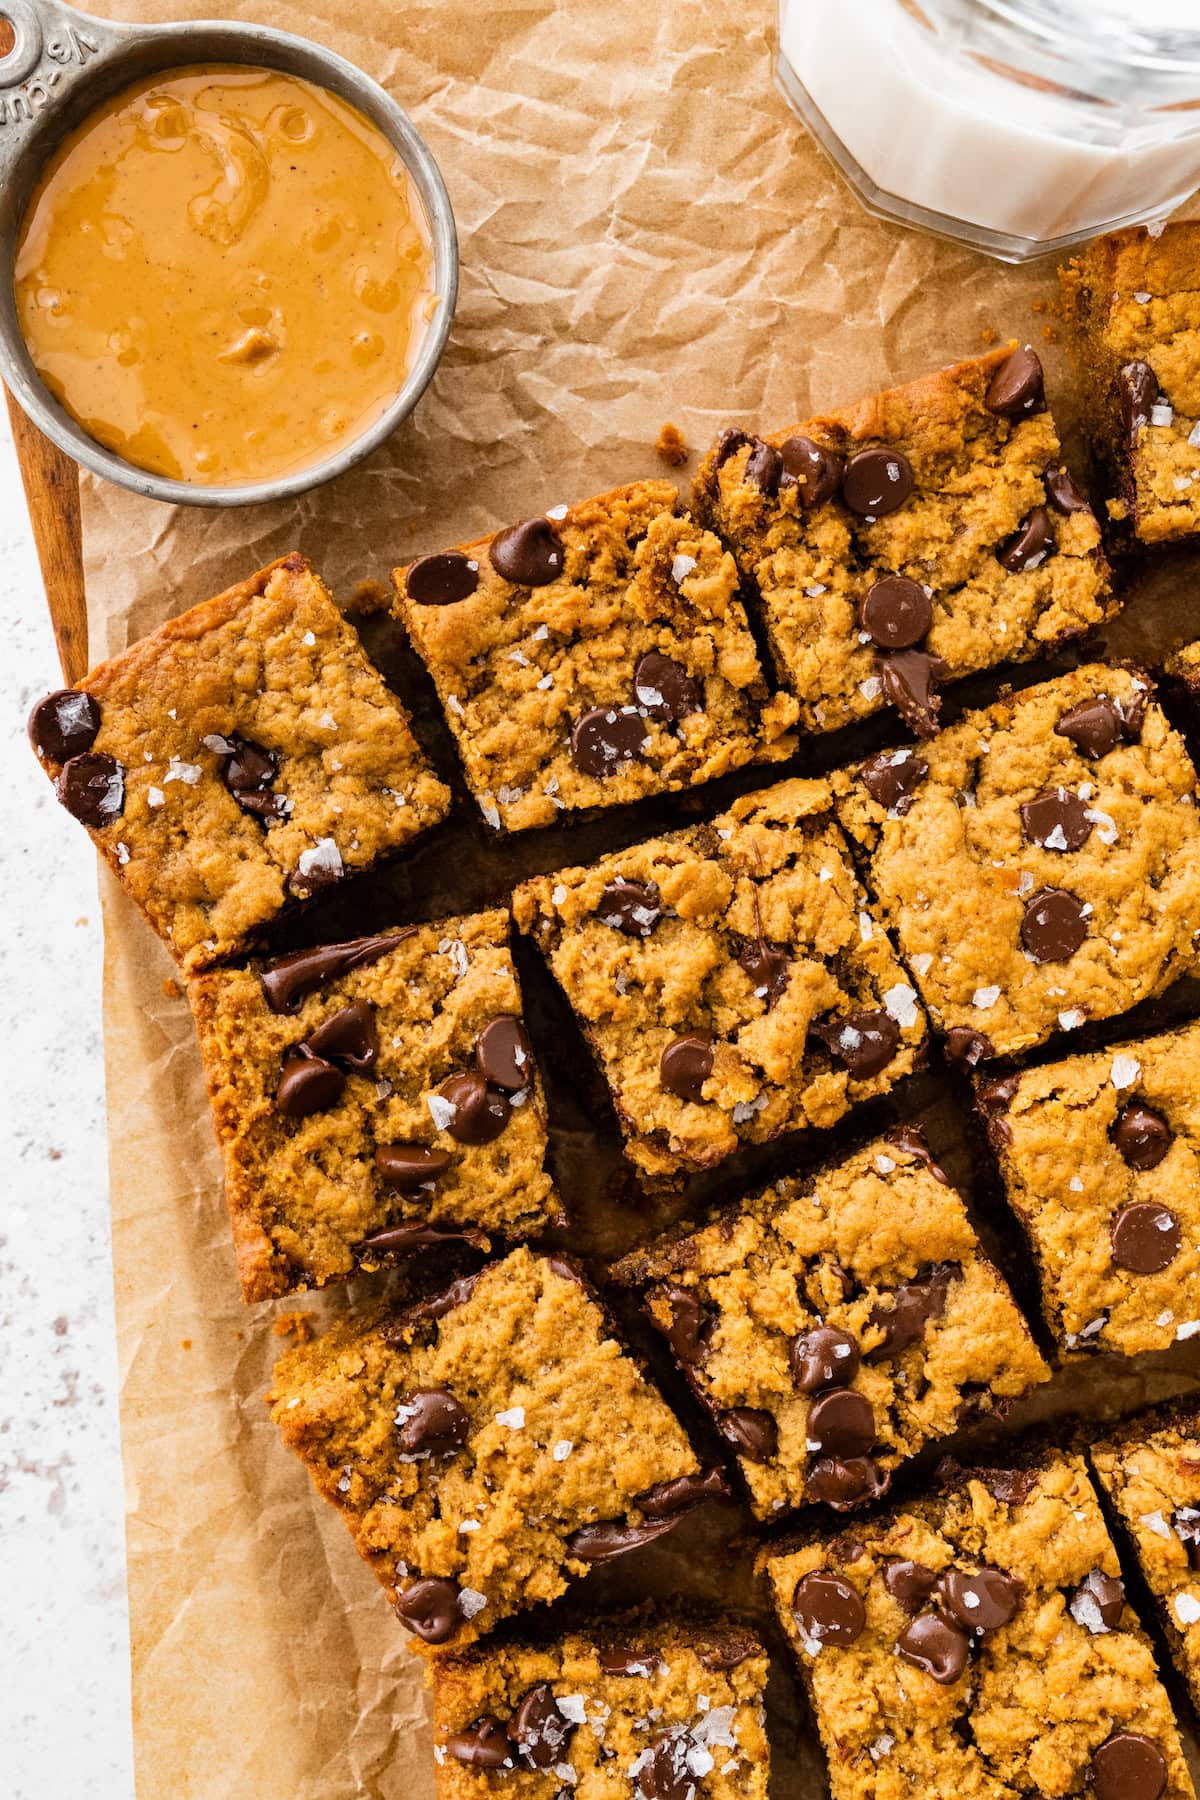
(1039, 863)
(1132, 303)
(927, 532)
(372, 1098)
(244, 756)
(732, 979)
(980, 1643)
(592, 656)
(1101, 1163)
(835, 1324)
(630, 1708)
(487, 1444)
(1151, 1473)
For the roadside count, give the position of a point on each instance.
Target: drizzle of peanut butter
(225, 274)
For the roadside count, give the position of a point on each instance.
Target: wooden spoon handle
(52, 492)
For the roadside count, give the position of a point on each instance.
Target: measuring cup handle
(53, 45)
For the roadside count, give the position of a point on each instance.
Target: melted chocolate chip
(1056, 819)
(1097, 726)
(827, 1609)
(908, 678)
(1128, 1766)
(1099, 1601)
(348, 1037)
(966, 1045)
(324, 871)
(686, 1491)
(308, 1084)
(685, 1334)
(824, 1357)
(846, 1482)
(483, 1745)
(1054, 925)
(768, 965)
(686, 1064)
(764, 467)
(981, 1600)
(727, 1655)
(876, 482)
(895, 612)
(430, 1608)
(913, 1304)
(731, 440)
(893, 777)
(1012, 1487)
(504, 1053)
(410, 1166)
(1017, 388)
(634, 907)
(863, 1042)
(605, 738)
(752, 1432)
(92, 788)
(441, 580)
(427, 1311)
(931, 1643)
(1142, 1135)
(529, 554)
(909, 1583)
(910, 1140)
(1185, 1521)
(664, 687)
(248, 769)
(538, 1728)
(1145, 1238)
(64, 724)
(622, 1659)
(480, 1112)
(1030, 544)
(841, 1423)
(417, 1235)
(814, 471)
(431, 1419)
(287, 982)
(997, 1096)
(668, 1774)
(610, 1538)
(1138, 393)
(1063, 494)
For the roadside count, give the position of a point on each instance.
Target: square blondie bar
(1039, 862)
(920, 535)
(835, 1324)
(591, 657)
(242, 757)
(731, 978)
(372, 1098)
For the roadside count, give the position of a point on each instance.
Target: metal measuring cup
(62, 66)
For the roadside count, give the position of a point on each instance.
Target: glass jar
(1017, 126)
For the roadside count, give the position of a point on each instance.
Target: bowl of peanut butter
(232, 262)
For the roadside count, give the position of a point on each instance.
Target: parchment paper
(647, 233)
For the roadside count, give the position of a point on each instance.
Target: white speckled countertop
(64, 1649)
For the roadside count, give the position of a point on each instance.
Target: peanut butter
(225, 274)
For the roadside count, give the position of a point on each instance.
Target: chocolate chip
(610, 1538)
(895, 612)
(1056, 819)
(910, 1140)
(622, 1659)
(764, 467)
(1062, 492)
(893, 777)
(685, 1332)
(686, 1064)
(1097, 726)
(1030, 544)
(752, 1432)
(64, 724)
(247, 769)
(1138, 393)
(668, 1774)
(348, 1037)
(432, 1419)
(668, 1497)
(605, 738)
(1054, 925)
(729, 1654)
(633, 907)
(731, 440)
(1017, 387)
(325, 870)
(909, 1583)
(1142, 1135)
(440, 580)
(966, 1045)
(997, 1096)
(863, 1042)
(876, 481)
(92, 788)
(824, 1357)
(913, 1304)
(932, 1644)
(430, 1608)
(841, 1423)
(504, 1053)
(539, 1730)
(1145, 1238)
(1185, 1521)
(813, 470)
(768, 965)
(846, 1482)
(1128, 1766)
(1012, 1487)
(907, 678)
(664, 687)
(480, 1112)
(287, 982)
(529, 554)
(483, 1745)
(418, 1235)
(827, 1609)
(982, 1599)
(410, 1166)
(1098, 1601)
(437, 1306)
(308, 1084)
